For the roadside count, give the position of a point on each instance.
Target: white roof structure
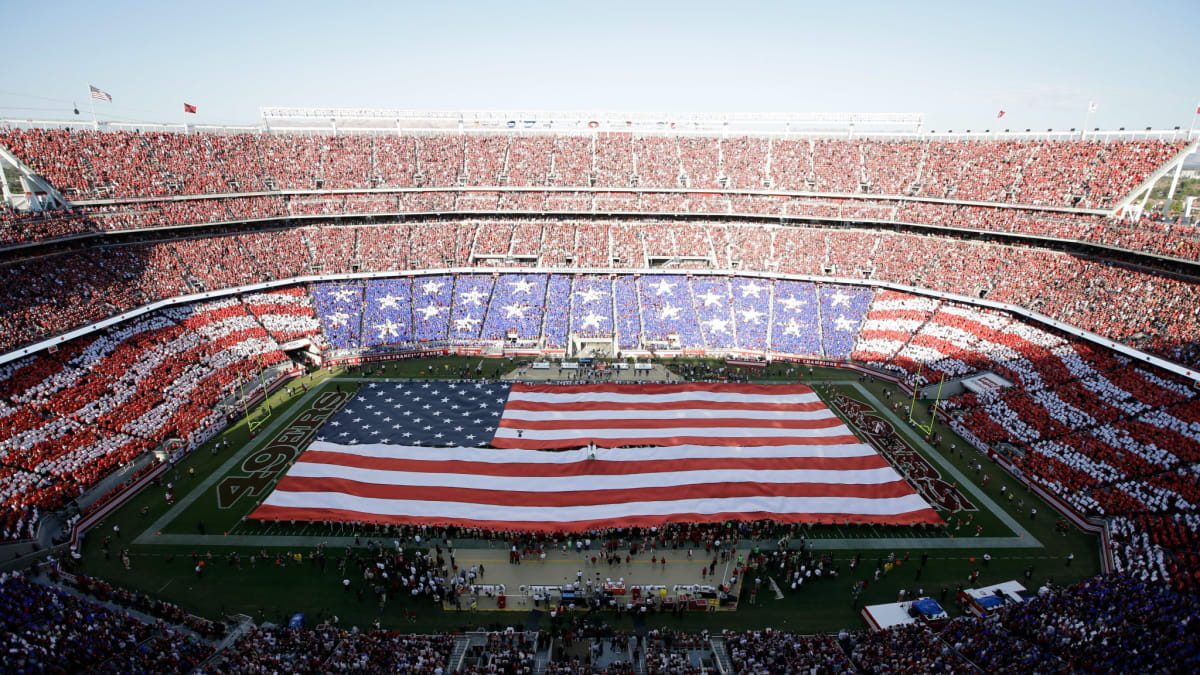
(566, 121)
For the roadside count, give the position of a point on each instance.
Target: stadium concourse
(176, 275)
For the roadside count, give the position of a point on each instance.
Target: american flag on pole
(100, 95)
(721, 452)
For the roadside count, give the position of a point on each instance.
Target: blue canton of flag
(460, 414)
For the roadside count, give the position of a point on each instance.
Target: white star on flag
(663, 287)
(514, 311)
(841, 298)
(431, 287)
(388, 328)
(843, 324)
(710, 299)
(793, 304)
(390, 301)
(793, 328)
(472, 297)
(593, 320)
(719, 325)
(344, 294)
(590, 295)
(521, 286)
(752, 289)
(669, 312)
(429, 311)
(339, 319)
(465, 323)
(751, 315)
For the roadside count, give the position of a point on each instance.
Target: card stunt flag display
(808, 474)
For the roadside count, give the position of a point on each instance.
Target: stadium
(583, 391)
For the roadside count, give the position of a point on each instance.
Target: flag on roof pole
(100, 95)
(1000, 114)
(1092, 107)
(189, 108)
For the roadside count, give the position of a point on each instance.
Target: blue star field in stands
(459, 414)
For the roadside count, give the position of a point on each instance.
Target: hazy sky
(959, 63)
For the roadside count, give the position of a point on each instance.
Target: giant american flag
(629, 455)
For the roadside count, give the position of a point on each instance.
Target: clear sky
(958, 62)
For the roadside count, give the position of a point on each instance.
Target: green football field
(215, 488)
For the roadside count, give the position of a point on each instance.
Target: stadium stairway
(542, 658)
(459, 651)
(721, 654)
(243, 626)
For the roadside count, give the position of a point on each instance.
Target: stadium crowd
(209, 170)
(1110, 623)
(69, 418)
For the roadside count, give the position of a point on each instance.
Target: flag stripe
(568, 514)
(642, 412)
(607, 397)
(658, 423)
(633, 455)
(657, 479)
(595, 467)
(526, 442)
(324, 514)
(889, 490)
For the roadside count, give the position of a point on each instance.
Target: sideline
(1028, 540)
(148, 536)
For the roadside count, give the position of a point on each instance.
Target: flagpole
(92, 100)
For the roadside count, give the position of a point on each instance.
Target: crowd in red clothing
(1110, 437)
(69, 418)
(91, 164)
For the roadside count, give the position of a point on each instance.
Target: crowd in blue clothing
(45, 629)
(340, 308)
(387, 316)
(649, 312)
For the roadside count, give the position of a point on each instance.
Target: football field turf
(214, 493)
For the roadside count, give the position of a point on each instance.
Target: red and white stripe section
(553, 416)
(577, 490)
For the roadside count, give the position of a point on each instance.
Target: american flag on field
(419, 413)
(722, 452)
(100, 95)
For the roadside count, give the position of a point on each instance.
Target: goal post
(927, 427)
(264, 412)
